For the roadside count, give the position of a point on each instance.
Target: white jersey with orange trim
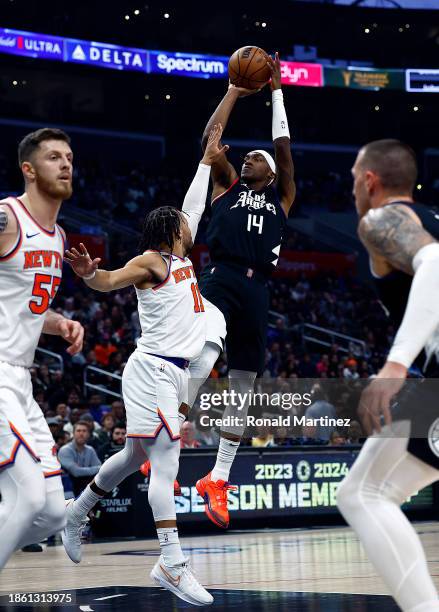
(30, 274)
(172, 314)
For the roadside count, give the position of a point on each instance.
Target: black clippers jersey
(393, 289)
(246, 228)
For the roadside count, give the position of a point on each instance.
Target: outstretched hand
(82, 263)
(214, 150)
(275, 68)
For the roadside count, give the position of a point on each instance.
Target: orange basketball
(248, 68)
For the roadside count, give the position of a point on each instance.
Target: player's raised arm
(143, 271)
(8, 229)
(285, 184)
(195, 199)
(223, 173)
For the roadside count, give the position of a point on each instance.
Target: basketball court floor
(262, 571)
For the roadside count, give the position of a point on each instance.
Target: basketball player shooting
(32, 504)
(401, 238)
(249, 213)
(155, 379)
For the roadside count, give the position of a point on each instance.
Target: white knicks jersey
(30, 274)
(172, 314)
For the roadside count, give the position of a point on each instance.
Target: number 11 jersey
(246, 228)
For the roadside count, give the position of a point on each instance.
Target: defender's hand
(214, 150)
(82, 263)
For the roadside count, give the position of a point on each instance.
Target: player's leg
(201, 367)
(246, 343)
(22, 486)
(111, 473)
(22, 493)
(383, 476)
(52, 517)
(171, 570)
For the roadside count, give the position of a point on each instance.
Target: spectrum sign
(116, 57)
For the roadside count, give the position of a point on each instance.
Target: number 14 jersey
(30, 274)
(246, 228)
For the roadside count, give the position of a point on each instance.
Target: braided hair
(161, 226)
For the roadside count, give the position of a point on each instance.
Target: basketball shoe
(180, 581)
(71, 534)
(214, 494)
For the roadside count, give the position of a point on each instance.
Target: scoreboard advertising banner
(271, 484)
(296, 470)
(195, 65)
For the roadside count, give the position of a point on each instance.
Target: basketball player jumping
(244, 237)
(402, 241)
(31, 255)
(155, 379)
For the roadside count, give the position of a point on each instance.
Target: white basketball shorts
(153, 389)
(23, 427)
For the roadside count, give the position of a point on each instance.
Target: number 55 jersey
(30, 274)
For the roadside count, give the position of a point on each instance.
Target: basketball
(248, 68)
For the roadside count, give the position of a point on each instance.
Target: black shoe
(32, 548)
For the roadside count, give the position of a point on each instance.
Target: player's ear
(28, 171)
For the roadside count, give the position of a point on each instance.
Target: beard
(55, 189)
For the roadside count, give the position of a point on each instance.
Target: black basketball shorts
(242, 296)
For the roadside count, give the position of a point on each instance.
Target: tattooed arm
(395, 234)
(8, 229)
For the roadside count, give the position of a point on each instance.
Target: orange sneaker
(214, 494)
(145, 468)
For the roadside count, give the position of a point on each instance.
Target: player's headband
(270, 161)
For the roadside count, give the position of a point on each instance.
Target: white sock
(85, 502)
(170, 546)
(224, 459)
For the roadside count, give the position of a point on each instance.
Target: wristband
(280, 122)
(89, 276)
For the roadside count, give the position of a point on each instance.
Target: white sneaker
(180, 581)
(71, 534)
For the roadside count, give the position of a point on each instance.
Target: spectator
(319, 409)
(115, 444)
(264, 438)
(94, 428)
(96, 407)
(355, 432)
(337, 439)
(75, 415)
(187, 433)
(206, 435)
(281, 437)
(103, 350)
(62, 411)
(79, 459)
(118, 411)
(107, 424)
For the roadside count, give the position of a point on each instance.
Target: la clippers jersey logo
(246, 227)
(254, 201)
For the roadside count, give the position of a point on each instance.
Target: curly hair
(161, 226)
